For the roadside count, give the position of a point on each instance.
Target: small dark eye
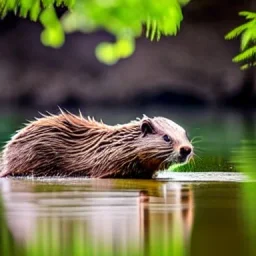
(166, 138)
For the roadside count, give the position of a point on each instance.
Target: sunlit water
(207, 210)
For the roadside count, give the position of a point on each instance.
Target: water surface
(123, 217)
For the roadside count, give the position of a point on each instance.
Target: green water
(208, 209)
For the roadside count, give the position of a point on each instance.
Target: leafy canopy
(247, 32)
(125, 19)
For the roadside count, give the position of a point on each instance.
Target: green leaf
(148, 25)
(48, 17)
(11, 4)
(53, 37)
(248, 15)
(48, 3)
(237, 31)
(158, 35)
(35, 10)
(154, 28)
(245, 54)
(247, 37)
(247, 32)
(26, 4)
(105, 53)
(124, 48)
(246, 66)
(73, 21)
(53, 34)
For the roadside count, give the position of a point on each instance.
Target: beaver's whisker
(196, 141)
(198, 147)
(196, 137)
(193, 162)
(199, 151)
(197, 156)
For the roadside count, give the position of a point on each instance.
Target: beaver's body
(69, 145)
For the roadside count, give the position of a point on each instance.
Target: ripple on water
(163, 175)
(202, 176)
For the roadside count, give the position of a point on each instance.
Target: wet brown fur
(70, 145)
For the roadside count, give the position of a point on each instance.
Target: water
(207, 210)
(122, 217)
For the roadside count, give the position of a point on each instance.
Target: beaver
(71, 145)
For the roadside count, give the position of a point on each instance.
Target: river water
(206, 208)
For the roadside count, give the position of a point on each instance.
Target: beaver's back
(32, 152)
(40, 149)
(69, 145)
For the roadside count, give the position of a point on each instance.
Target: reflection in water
(122, 217)
(131, 221)
(245, 157)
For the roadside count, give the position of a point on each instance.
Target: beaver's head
(163, 143)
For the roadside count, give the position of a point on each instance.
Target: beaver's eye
(166, 138)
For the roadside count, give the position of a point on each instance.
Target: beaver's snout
(184, 153)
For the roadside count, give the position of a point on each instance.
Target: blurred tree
(124, 19)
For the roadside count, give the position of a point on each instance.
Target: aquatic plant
(125, 19)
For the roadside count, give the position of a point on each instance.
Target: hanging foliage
(247, 32)
(125, 19)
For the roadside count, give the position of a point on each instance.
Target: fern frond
(247, 37)
(153, 31)
(238, 31)
(246, 66)
(158, 36)
(148, 24)
(247, 32)
(30, 8)
(245, 55)
(248, 15)
(35, 11)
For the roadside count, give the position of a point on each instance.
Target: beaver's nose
(185, 151)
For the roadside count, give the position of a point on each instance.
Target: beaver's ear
(147, 127)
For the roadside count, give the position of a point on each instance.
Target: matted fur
(70, 145)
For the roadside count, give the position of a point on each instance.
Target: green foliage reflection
(60, 235)
(245, 158)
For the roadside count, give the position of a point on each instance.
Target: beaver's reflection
(167, 217)
(101, 222)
